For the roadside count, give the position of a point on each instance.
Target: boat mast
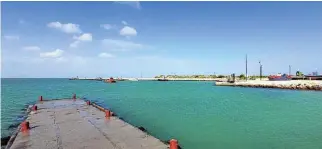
(246, 68)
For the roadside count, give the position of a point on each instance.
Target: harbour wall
(293, 84)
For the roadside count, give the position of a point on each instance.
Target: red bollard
(107, 113)
(40, 98)
(88, 102)
(34, 108)
(25, 126)
(74, 97)
(173, 144)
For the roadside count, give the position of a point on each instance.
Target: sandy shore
(293, 84)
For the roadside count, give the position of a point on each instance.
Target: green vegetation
(242, 77)
(299, 74)
(221, 76)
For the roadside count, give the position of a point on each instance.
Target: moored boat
(279, 77)
(163, 79)
(110, 80)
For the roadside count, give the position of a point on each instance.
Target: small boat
(279, 77)
(110, 80)
(120, 79)
(99, 79)
(74, 78)
(164, 79)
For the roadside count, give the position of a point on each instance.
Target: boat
(110, 80)
(164, 79)
(74, 78)
(279, 77)
(120, 79)
(99, 79)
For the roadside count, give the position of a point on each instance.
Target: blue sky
(90, 39)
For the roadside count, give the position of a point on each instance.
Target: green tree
(299, 73)
(242, 77)
(221, 76)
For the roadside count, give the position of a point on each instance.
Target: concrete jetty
(156, 79)
(72, 123)
(293, 84)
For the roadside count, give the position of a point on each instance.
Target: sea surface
(197, 114)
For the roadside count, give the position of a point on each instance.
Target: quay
(291, 84)
(75, 123)
(156, 79)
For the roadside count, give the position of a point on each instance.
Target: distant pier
(157, 79)
(75, 123)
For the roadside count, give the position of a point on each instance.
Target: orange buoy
(40, 98)
(107, 113)
(25, 126)
(88, 102)
(173, 144)
(34, 108)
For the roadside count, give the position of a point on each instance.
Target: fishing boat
(279, 77)
(99, 79)
(110, 80)
(163, 79)
(74, 78)
(120, 79)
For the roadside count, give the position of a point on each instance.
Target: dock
(291, 84)
(75, 123)
(157, 79)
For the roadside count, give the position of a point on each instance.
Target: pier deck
(68, 124)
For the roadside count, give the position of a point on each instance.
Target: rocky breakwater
(294, 84)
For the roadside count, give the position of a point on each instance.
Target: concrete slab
(68, 124)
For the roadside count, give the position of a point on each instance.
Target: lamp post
(260, 70)
(246, 68)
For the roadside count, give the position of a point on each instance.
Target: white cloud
(128, 31)
(105, 55)
(124, 22)
(67, 28)
(11, 37)
(106, 26)
(134, 4)
(74, 44)
(54, 54)
(84, 37)
(31, 48)
(120, 45)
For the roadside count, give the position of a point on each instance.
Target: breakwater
(156, 79)
(294, 84)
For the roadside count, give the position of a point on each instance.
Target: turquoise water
(197, 114)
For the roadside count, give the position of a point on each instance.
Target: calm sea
(197, 114)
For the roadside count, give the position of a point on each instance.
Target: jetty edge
(77, 123)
